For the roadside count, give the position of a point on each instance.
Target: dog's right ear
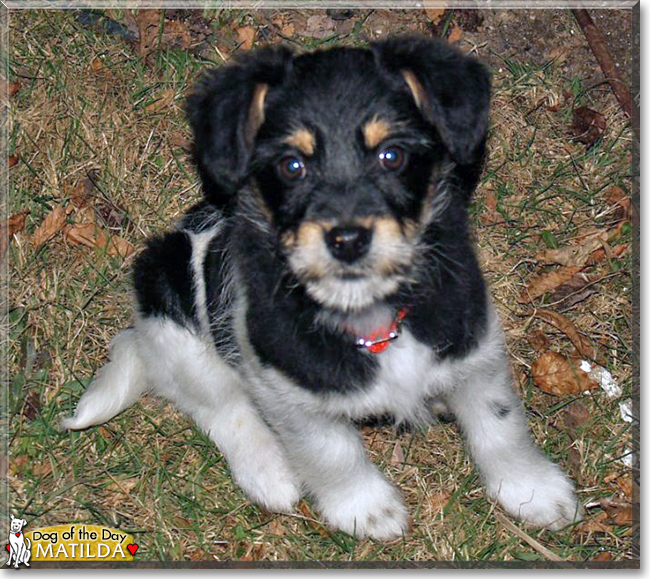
(225, 111)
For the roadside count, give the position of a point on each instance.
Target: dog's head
(344, 156)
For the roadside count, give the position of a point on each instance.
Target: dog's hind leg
(117, 385)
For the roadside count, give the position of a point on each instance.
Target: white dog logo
(19, 547)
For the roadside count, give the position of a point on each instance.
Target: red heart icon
(8, 548)
(132, 548)
(17, 534)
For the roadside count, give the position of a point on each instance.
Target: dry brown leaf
(165, 99)
(51, 225)
(246, 36)
(595, 524)
(582, 344)
(576, 415)
(319, 26)
(435, 14)
(625, 210)
(81, 193)
(398, 455)
(607, 252)
(573, 254)
(147, 22)
(559, 375)
(81, 234)
(176, 35)
(455, 35)
(119, 247)
(438, 501)
(619, 512)
(588, 125)
(578, 288)
(490, 215)
(547, 281)
(9, 88)
(538, 340)
(9, 227)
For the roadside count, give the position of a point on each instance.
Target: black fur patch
(163, 279)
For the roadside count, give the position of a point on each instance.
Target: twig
(598, 46)
(526, 537)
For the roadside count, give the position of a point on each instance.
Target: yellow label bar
(80, 542)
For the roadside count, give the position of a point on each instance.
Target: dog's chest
(408, 373)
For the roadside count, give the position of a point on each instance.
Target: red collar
(381, 338)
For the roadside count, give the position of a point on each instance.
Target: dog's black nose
(348, 243)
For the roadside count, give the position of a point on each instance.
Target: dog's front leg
(517, 474)
(350, 492)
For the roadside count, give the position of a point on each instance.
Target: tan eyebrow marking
(375, 131)
(303, 140)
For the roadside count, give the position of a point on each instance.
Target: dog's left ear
(451, 90)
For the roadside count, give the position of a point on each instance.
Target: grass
(88, 105)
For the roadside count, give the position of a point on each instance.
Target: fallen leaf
(607, 252)
(320, 26)
(576, 415)
(9, 88)
(455, 35)
(559, 375)
(32, 406)
(547, 281)
(435, 14)
(588, 125)
(246, 36)
(147, 23)
(581, 343)
(165, 99)
(603, 556)
(398, 455)
(619, 512)
(9, 227)
(119, 247)
(81, 234)
(176, 35)
(573, 254)
(578, 288)
(490, 215)
(12, 160)
(597, 524)
(51, 225)
(276, 528)
(538, 340)
(80, 195)
(625, 208)
(438, 501)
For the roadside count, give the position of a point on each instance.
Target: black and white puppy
(327, 276)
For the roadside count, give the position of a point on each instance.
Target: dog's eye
(392, 158)
(292, 168)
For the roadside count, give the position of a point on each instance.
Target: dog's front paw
(266, 479)
(538, 494)
(371, 508)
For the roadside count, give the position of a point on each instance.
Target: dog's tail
(117, 385)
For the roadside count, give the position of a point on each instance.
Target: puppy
(329, 275)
